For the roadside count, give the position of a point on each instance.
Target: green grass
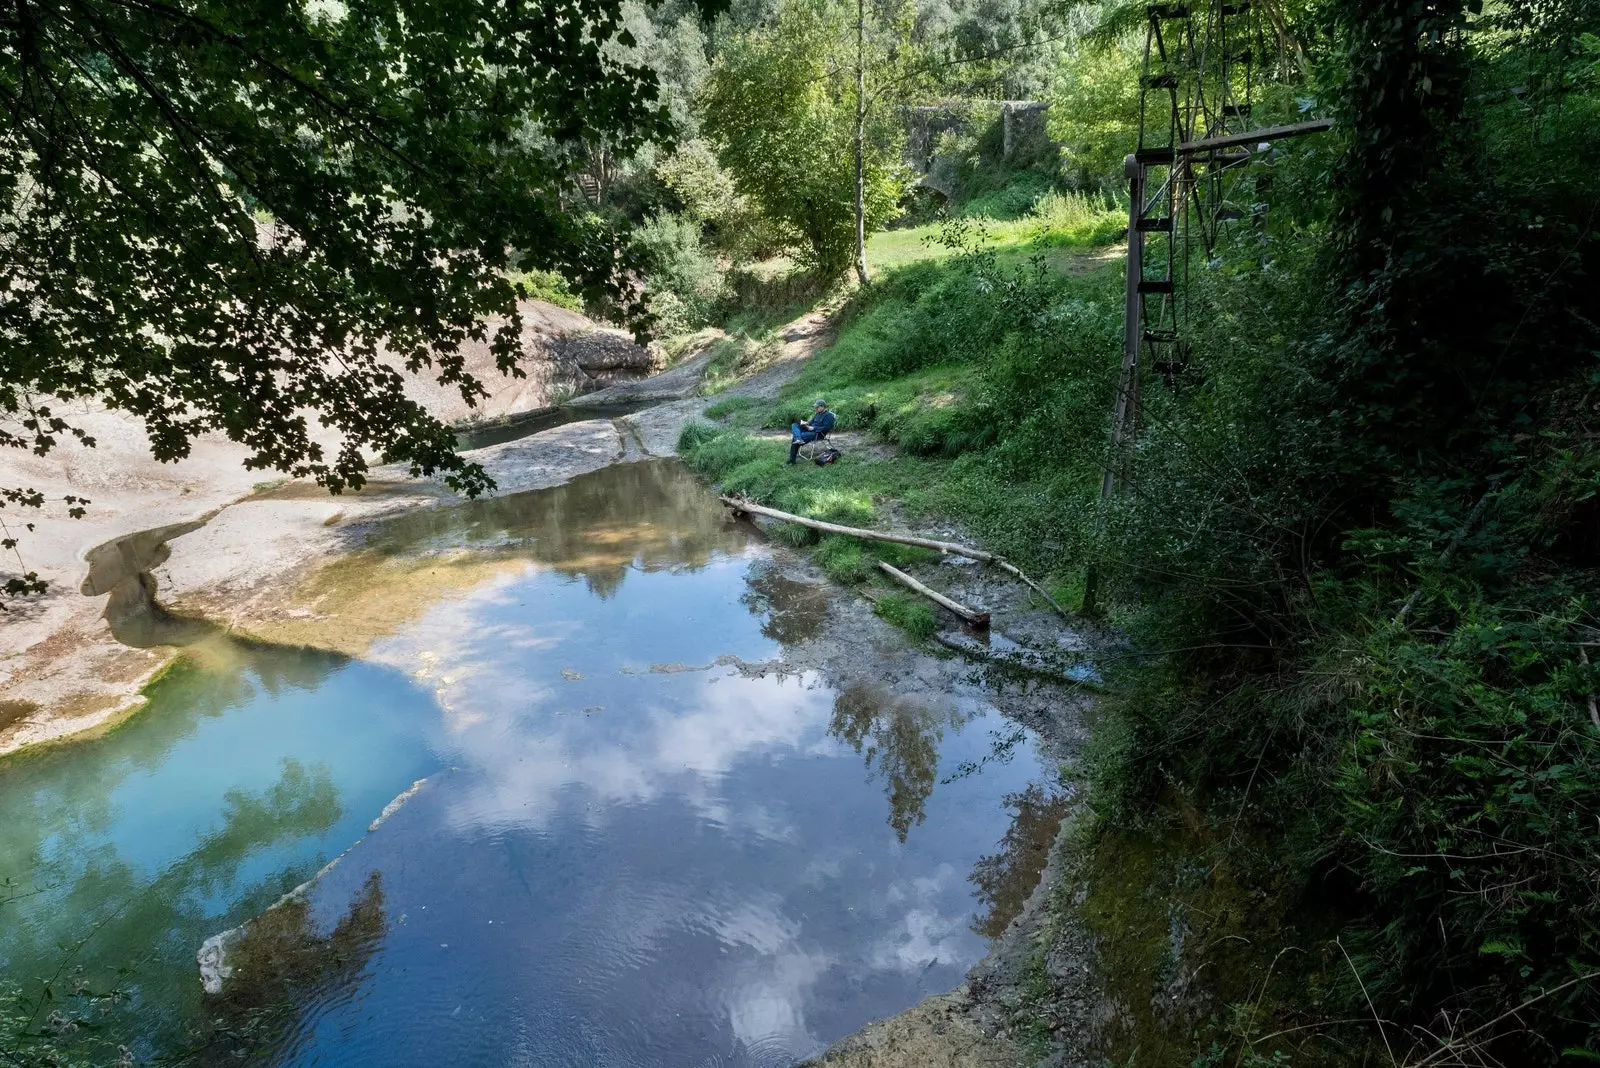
(547, 286)
(732, 405)
(730, 357)
(1056, 221)
(841, 557)
(911, 614)
(922, 362)
(1020, 518)
(771, 293)
(930, 360)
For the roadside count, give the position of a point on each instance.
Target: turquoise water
(627, 849)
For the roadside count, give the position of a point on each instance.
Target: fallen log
(973, 616)
(740, 505)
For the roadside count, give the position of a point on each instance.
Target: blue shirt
(823, 423)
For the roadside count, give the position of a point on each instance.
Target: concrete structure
(1023, 133)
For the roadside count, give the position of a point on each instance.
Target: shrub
(685, 283)
(1078, 218)
(1017, 197)
(546, 286)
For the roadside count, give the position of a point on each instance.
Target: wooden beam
(1254, 137)
(971, 615)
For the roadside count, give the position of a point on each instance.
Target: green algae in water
(1205, 950)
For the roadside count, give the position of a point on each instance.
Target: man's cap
(820, 404)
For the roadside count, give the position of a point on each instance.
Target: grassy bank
(1343, 781)
(975, 374)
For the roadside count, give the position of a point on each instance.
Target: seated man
(820, 423)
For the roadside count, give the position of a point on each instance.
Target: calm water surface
(626, 850)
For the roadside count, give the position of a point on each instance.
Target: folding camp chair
(811, 449)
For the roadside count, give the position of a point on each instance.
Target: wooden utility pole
(1127, 408)
(1126, 411)
(861, 137)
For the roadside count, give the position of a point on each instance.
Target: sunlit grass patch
(912, 615)
(1057, 220)
(833, 504)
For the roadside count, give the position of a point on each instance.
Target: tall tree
(801, 126)
(887, 70)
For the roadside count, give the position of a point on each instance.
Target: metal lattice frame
(1203, 63)
(1201, 69)
(1197, 83)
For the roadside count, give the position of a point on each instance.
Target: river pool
(642, 835)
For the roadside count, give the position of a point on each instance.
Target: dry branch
(741, 505)
(971, 615)
(1034, 586)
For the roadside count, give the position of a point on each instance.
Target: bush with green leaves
(546, 286)
(1357, 542)
(685, 283)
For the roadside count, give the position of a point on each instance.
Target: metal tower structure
(1203, 64)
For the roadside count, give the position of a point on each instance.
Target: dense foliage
(221, 215)
(1365, 520)
(1357, 551)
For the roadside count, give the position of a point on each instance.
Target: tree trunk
(861, 138)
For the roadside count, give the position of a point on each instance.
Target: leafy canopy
(239, 215)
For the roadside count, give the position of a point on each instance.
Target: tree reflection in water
(1003, 880)
(795, 611)
(651, 515)
(898, 735)
(281, 968)
(87, 906)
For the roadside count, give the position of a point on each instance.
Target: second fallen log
(971, 615)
